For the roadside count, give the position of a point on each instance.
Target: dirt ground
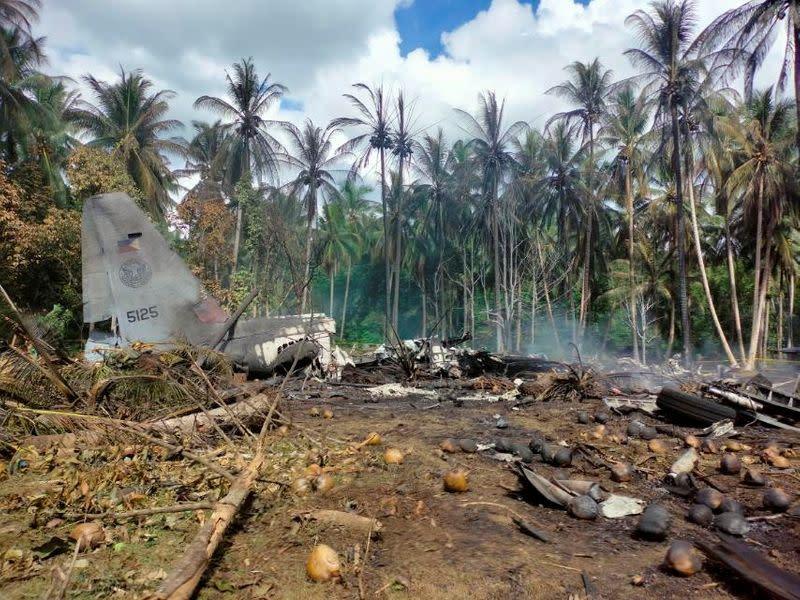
(433, 544)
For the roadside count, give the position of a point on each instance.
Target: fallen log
(244, 411)
(187, 572)
(752, 566)
(692, 408)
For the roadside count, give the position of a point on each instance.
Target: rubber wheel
(693, 408)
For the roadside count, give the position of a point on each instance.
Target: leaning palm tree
(672, 71)
(313, 156)
(749, 31)
(492, 148)
(128, 119)
(250, 149)
(587, 90)
(374, 120)
(625, 132)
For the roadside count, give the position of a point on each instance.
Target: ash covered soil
(432, 544)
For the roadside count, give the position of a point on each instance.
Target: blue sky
(421, 24)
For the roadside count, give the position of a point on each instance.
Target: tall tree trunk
(780, 318)
(631, 274)
(306, 283)
(398, 250)
(587, 256)
(464, 290)
(702, 265)
(737, 319)
(547, 299)
(346, 294)
(534, 298)
(756, 324)
(497, 274)
(683, 298)
(790, 341)
(671, 336)
(423, 300)
(237, 237)
(332, 277)
(386, 249)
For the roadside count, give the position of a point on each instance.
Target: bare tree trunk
(737, 320)
(330, 298)
(790, 341)
(683, 298)
(703, 275)
(765, 331)
(464, 289)
(423, 300)
(631, 275)
(780, 317)
(754, 329)
(587, 257)
(386, 248)
(497, 274)
(534, 299)
(306, 283)
(346, 294)
(237, 237)
(547, 299)
(398, 249)
(671, 338)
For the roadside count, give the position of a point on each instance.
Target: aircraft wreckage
(137, 289)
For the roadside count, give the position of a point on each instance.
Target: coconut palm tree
(374, 120)
(625, 132)
(672, 70)
(250, 149)
(312, 154)
(587, 90)
(762, 141)
(749, 31)
(205, 151)
(492, 149)
(16, 16)
(24, 55)
(402, 149)
(128, 119)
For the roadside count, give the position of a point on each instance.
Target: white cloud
(318, 48)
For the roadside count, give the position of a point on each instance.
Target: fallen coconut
(582, 507)
(548, 452)
(468, 446)
(602, 418)
(654, 522)
(301, 486)
(682, 558)
(536, 443)
(621, 472)
(709, 446)
(393, 456)
(731, 505)
(562, 457)
(456, 481)
(323, 564)
(583, 417)
(700, 514)
(733, 446)
(709, 497)
(658, 446)
(327, 413)
(313, 470)
(754, 477)
(503, 445)
(634, 428)
(732, 523)
(314, 411)
(523, 452)
(88, 535)
(373, 439)
(779, 462)
(449, 445)
(648, 433)
(730, 464)
(776, 500)
(323, 483)
(692, 441)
